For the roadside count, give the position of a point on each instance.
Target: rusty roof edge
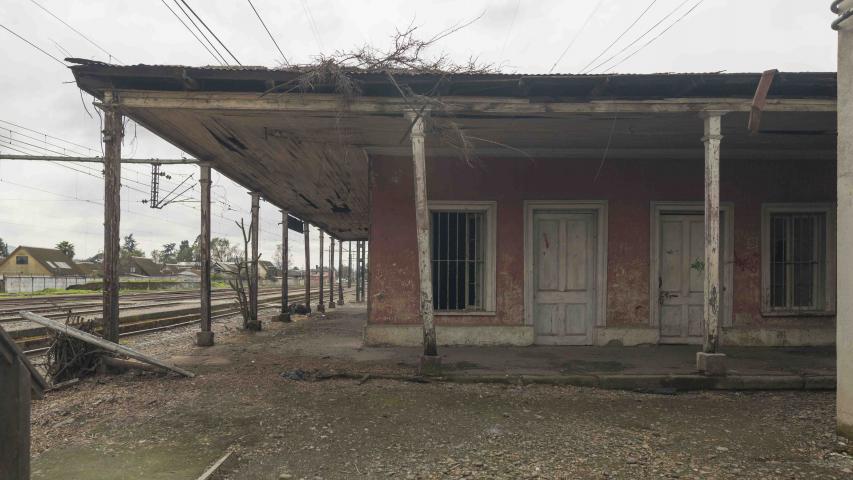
(96, 77)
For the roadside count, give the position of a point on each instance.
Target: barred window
(458, 259)
(798, 259)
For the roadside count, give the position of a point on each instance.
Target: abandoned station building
(563, 209)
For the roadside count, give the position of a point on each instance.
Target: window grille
(457, 247)
(797, 260)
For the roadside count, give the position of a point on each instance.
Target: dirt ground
(148, 426)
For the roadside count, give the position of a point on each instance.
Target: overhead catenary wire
(577, 34)
(312, 24)
(283, 56)
(111, 56)
(211, 31)
(222, 59)
(619, 37)
(4, 27)
(626, 47)
(688, 12)
(192, 33)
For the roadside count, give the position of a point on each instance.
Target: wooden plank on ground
(102, 343)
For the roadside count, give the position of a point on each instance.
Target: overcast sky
(42, 204)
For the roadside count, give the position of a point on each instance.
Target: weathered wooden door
(564, 278)
(681, 277)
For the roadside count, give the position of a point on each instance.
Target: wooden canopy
(307, 151)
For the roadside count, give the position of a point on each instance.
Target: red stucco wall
(628, 185)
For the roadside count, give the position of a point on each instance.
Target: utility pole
(320, 306)
(204, 338)
(113, 135)
(340, 272)
(285, 256)
(305, 234)
(331, 271)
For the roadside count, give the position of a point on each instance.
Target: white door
(681, 278)
(564, 278)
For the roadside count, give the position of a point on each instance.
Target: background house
(140, 266)
(34, 261)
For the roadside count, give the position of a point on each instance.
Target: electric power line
(111, 56)
(639, 17)
(268, 32)
(192, 33)
(656, 36)
(626, 47)
(33, 45)
(211, 31)
(222, 58)
(578, 34)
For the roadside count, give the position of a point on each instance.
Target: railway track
(91, 304)
(35, 341)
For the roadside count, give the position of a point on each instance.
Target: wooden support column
(349, 264)
(359, 294)
(340, 272)
(709, 361)
(254, 323)
(285, 256)
(331, 272)
(204, 338)
(306, 230)
(113, 134)
(712, 290)
(423, 237)
(320, 306)
(844, 235)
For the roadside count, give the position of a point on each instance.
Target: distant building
(46, 262)
(140, 266)
(267, 269)
(91, 269)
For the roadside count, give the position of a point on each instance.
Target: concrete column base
(429, 365)
(284, 317)
(204, 339)
(321, 308)
(254, 325)
(711, 364)
(332, 304)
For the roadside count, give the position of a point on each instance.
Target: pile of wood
(75, 348)
(68, 357)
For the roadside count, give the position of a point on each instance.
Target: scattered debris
(104, 345)
(70, 358)
(298, 375)
(208, 474)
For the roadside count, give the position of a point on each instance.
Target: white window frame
(829, 292)
(490, 247)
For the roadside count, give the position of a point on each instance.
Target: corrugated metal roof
(95, 77)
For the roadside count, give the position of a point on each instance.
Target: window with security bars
(457, 247)
(797, 260)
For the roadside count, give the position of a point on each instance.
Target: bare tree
(242, 286)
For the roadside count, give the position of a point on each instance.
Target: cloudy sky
(42, 204)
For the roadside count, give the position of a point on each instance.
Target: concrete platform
(336, 338)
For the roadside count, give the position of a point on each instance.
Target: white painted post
(422, 224)
(844, 319)
(712, 232)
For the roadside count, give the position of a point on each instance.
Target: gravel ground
(148, 426)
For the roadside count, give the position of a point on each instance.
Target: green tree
(66, 247)
(221, 250)
(185, 252)
(4, 248)
(130, 248)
